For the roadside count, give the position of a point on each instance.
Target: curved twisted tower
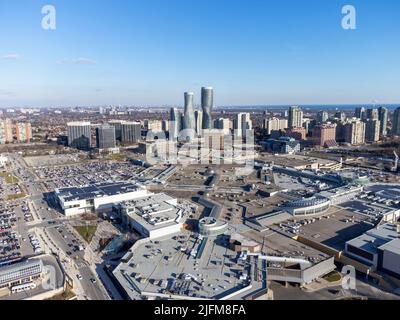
(207, 101)
(189, 121)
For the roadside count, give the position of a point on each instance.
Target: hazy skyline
(150, 52)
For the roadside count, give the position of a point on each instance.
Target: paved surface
(364, 290)
(47, 223)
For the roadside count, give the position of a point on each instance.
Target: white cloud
(84, 61)
(77, 61)
(12, 56)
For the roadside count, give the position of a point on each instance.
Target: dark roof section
(96, 190)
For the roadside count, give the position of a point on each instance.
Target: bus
(23, 287)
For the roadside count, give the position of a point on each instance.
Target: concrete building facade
(275, 124)
(354, 132)
(295, 119)
(79, 135)
(324, 135)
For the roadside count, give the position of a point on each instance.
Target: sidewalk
(69, 268)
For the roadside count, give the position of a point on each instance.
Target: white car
(79, 277)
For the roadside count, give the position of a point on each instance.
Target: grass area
(86, 232)
(117, 157)
(334, 276)
(16, 196)
(10, 178)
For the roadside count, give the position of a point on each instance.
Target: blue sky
(148, 52)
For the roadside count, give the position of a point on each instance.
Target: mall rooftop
(96, 191)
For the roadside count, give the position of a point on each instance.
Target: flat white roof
(78, 123)
(153, 211)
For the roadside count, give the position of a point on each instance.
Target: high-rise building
(242, 123)
(383, 120)
(295, 117)
(275, 124)
(322, 116)
(372, 114)
(354, 132)
(223, 124)
(340, 131)
(396, 122)
(341, 116)
(165, 125)
(24, 132)
(307, 123)
(79, 135)
(152, 125)
(324, 135)
(360, 113)
(188, 118)
(198, 119)
(117, 124)
(237, 125)
(372, 130)
(105, 137)
(131, 132)
(6, 134)
(175, 123)
(207, 102)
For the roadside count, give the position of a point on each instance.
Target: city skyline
(262, 54)
(217, 152)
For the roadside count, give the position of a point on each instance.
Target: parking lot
(334, 228)
(10, 190)
(301, 184)
(86, 173)
(51, 160)
(14, 241)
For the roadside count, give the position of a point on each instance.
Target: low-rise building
(308, 206)
(19, 273)
(282, 145)
(298, 133)
(153, 216)
(97, 197)
(379, 248)
(211, 227)
(239, 243)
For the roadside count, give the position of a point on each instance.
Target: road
(48, 221)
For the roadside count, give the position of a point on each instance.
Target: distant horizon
(390, 106)
(149, 52)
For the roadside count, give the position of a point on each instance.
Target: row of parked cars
(9, 243)
(27, 213)
(35, 244)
